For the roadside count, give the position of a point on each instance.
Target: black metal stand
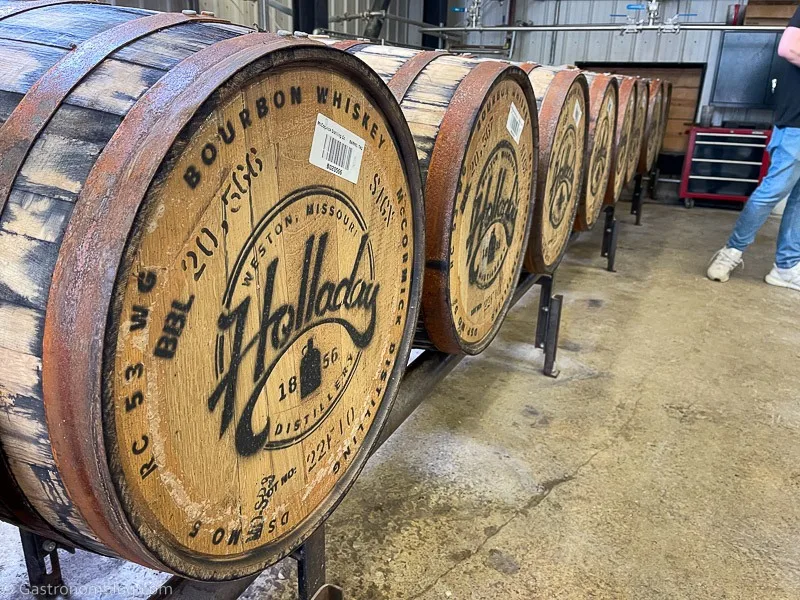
(47, 582)
(41, 561)
(636, 201)
(311, 564)
(548, 325)
(610, 236)
(311, 584)
(652, 181)
(420, 377)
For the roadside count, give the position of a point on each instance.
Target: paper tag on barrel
(336, 150)
(515, 123)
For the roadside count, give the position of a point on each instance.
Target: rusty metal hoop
(37, 107)
(76, 340)
(441, 188)
(549, 114)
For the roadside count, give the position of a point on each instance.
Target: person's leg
(788, 254)
(781, 179)
(786, 271)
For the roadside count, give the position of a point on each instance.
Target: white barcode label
(336, 149)
(515, 123)
(577, 113)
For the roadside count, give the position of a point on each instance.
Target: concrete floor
(664, 462)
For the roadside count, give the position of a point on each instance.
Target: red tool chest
(723, 164)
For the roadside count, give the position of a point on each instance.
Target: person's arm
(789, 48)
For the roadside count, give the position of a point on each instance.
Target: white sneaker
(788, 278)
(723, 263)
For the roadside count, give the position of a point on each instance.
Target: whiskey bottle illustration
(310, 369)
(491, 250)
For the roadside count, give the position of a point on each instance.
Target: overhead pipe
(628, 28)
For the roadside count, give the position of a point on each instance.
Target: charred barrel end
(476, 128)
(563, 98)
(666, 100)
(652, 127)
(52, 104)
(625, 121)
(639, 123)
(244, 306)
(601, 147)
(479, 211)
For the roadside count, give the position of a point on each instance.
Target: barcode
(577, 113)
(515, 123)
(336, 149)
(337, 153)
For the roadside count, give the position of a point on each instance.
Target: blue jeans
(782, 180)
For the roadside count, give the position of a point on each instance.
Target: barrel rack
(610, 238)
(638, 187)
(608, 249)
(422, 375)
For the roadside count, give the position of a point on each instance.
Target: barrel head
(475, 126)
(603, 108)
(262, 310)
(653, 136)
(480, 208)
(264, 304)
(639, 123)
(562, 95)
(625, 117)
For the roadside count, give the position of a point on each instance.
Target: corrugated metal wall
(545, 47)
(245, 12)
(563, 47)
(648, 47)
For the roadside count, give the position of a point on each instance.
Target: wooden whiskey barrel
(666, 101)
(639, 121)
(476, 131)
(624, 132)
(652, 128)
(562, 96)
(203, 320)
(600, 147)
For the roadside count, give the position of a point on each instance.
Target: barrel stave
(42, 407)
(600, 147)
(427, 101)
(447, 100)
(65, 25)
(38, 209)
(166, 48)
(623, 137)
(562, 95)
(384, 60)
